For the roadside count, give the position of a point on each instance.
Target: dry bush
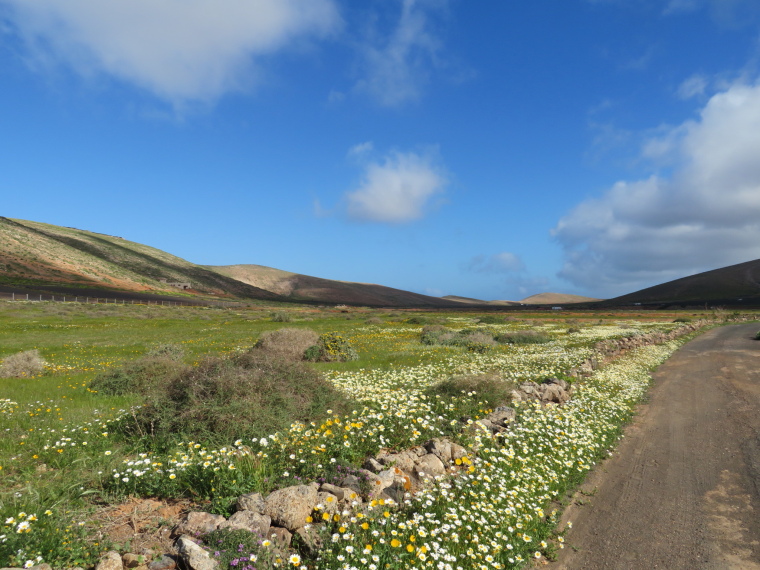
(249, 396)
(22, 365)
(290, 343)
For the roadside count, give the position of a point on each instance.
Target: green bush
(22, 365)
(490, 391)
(523, 337)
(280, 317)
(141, 376)
(757, 335)
(331, 347)
(374, 321)
(474, 340)
(290, 343)
(251, 395)
(682, 320)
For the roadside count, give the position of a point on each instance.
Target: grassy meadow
(69, 452)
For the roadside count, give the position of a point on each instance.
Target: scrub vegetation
(202, 405)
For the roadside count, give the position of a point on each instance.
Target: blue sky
(487, 149)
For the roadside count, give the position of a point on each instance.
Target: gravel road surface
(682, 490)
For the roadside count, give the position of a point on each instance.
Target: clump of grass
(250, 395)
(757, 335)
(682, 320)
(26, 364)
(523, 337)
(142, 376)
(290, 343)
(484, 391)
(474, 340)
(331, 347)
(374, 321)
(280, 317)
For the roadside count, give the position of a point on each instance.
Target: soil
(682, 490)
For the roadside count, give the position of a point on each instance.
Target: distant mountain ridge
(296, 287)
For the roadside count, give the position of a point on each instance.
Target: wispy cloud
(397, 65)
(180, 51)
(705, 214)
(504, 262)
(397, 189)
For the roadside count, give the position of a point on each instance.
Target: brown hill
(556, 299)
(735, 283)
(41, 256)
(296, 287)
(472, 301)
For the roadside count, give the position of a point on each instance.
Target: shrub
(290, 343)
(280, 317)
(331, 347)
(250, 395)
(490, 391)
(374, 321)
(141, 376)
(572, 330)
(418, 321)
(682, 320)
(757, 335)
(523, 337)
(22, 365)
(173, 352)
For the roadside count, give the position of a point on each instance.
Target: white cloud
(361, 149)
(504, 262)
(396, 66)
(692, 87)
(396, 190)
(706, 214)
(179, 50)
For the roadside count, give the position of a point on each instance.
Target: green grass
(41, 470)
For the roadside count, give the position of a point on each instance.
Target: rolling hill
(299, 288)
(556, 299)
(735, 283)
(38, 256)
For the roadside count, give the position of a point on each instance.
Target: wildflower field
(63, 457)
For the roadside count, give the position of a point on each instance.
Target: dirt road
(682, 491)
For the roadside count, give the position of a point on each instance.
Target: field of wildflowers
(60, 460)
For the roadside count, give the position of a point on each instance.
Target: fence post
(27, 296)
(13, 296)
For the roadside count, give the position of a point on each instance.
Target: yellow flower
(395, 543)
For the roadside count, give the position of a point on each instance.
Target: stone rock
(404, 460)
(163, 563)
(248, 520)
(132, 560)
(332, 489)
(311, 538)
(290, 506)
(441, 448)
(251, 502)
(395, 492)
(502, 416)
(429, 466)
(350, 496)
(43, 566)
(352, 482)
(330, 503)
(372, 464)
(554, 393)
(197, 523)
(280, 537)
(194, 556)
(111, 560)
(457, 451)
